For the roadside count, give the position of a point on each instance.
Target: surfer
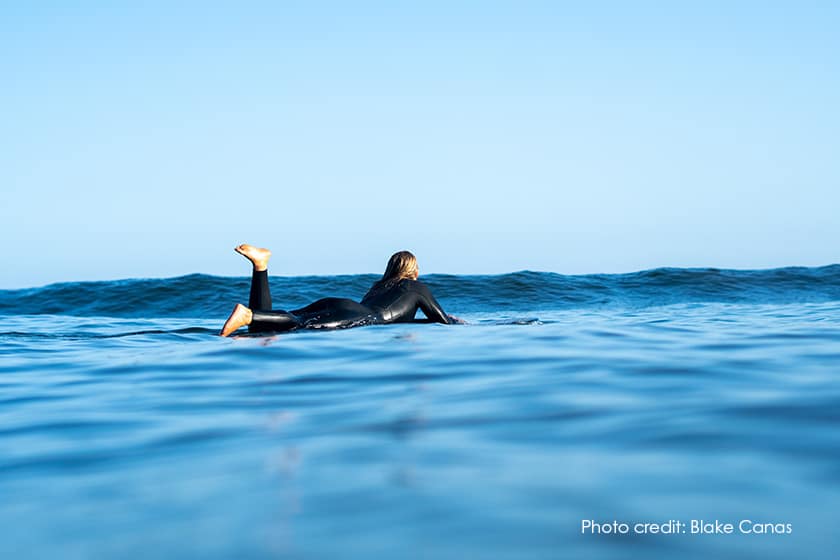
(395, 298)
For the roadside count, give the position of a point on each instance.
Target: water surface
(129, 430)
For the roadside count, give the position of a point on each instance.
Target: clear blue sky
(146, 139)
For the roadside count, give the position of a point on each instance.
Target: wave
(204, 296)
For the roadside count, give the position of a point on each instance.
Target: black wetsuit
(395, 304)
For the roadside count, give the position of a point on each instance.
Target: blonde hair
(401, 265)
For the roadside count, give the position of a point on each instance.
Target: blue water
(129, 430)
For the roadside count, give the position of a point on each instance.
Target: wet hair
(401, 265)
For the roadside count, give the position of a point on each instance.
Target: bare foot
(258, 257)
(239, 317)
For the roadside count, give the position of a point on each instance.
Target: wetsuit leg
(331, 313)
(334, 313)
(273, 321)
(260, 298)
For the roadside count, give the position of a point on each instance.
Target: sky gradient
(147, 139)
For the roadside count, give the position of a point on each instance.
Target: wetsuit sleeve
(430, 307)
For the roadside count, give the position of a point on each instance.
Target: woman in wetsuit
(393, 299)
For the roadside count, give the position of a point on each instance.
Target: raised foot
(258, 257)
(239, 317)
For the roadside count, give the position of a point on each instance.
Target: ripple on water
(499, 431)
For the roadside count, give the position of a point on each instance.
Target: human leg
(334, 313)
(273, 321)
(259, 321)
(260, 296)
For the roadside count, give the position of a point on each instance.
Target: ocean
(673, 403)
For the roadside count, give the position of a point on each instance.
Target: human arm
(430, 306)
(453, 320)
